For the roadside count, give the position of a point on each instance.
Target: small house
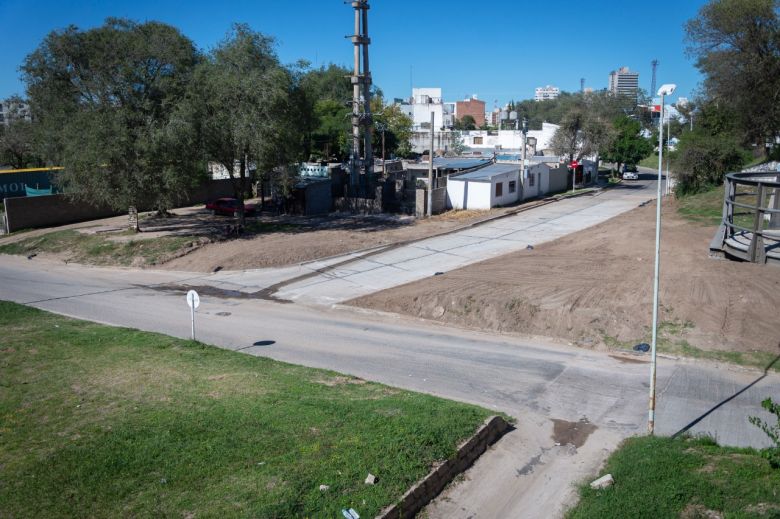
(495, 185)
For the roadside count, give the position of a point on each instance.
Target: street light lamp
(664, 91)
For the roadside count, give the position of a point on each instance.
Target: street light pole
(663, 92)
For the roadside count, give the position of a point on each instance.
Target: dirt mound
(595, 288)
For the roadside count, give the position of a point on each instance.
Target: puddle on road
(629, 360)
(222, 293)
(574, 433)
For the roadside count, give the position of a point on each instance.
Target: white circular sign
(192, 299)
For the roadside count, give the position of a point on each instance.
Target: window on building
(477, 140)
(531, 179)
(512, 186)
(500, 189)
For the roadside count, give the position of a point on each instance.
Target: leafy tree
(771, 430)
(628, 146)
(736, 44)
(397, 128)
(17, 137)
(240, 108)
(104, 99)
(711, 150)
(457, 147)
(466, 123)
(326, 102)
(585, 128)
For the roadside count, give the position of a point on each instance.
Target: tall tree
(104, 99)
(326, 96)
(736, 44)
(628, 145)
(241, 108)
(397, 128)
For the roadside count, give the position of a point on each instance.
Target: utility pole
(361, 99)
(430, 170)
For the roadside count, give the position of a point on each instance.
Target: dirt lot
(191, 239)
(285, 241)
(595, 288)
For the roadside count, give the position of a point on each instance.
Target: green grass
(97, 249)
(704, 208)
(97, 421)
(671, 341)
(658, 477)
(651, 161)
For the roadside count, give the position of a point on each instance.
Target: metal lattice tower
(361, 163)
(655, 64)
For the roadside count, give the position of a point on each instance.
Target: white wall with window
(493, 186)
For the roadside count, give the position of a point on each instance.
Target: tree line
(134, 112)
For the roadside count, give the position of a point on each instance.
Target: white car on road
(630, 175)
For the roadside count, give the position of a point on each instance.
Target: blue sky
(499, 50)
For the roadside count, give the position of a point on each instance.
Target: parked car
(229, 207)
(630, 175)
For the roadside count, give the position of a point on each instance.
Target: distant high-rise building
(624, 82)
(12, 109)
(546, 93)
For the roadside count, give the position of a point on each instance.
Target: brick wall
(473, 107)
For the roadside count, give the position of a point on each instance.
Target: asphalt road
(531, 472)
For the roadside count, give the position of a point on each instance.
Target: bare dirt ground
(289, 240)
(594, 288)
(268, 241)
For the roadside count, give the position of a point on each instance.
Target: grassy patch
(98, 421)
(663, 477)
(705, 208)
(97, 249)
(651, 161)
(257, 227)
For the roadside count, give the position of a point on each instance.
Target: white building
(489, 141)
(546, 93)
(488, 187)
(419, 108)
(624, 82)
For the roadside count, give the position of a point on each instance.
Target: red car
(229, 207)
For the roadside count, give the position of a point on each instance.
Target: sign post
(193, 301)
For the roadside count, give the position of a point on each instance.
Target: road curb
(426, 489)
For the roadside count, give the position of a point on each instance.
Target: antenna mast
(361, 100)
(655, 64)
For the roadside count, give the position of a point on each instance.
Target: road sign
(193, 300)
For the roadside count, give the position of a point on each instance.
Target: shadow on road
(729, 399)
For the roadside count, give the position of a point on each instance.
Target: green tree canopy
(628, 145)
(103, 99)
(17, 137)
(240, 108)
(736, 44)
(466, 123)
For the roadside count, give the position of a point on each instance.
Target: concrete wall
(48, 210)
(467, 194)
(51, 210)
(318, 198)
(506, 197)
(558, 179)
(438, 199)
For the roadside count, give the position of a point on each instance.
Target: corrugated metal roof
(488, 172)
(453, 163)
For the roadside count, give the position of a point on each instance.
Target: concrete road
(551, 388)
(425, 258)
